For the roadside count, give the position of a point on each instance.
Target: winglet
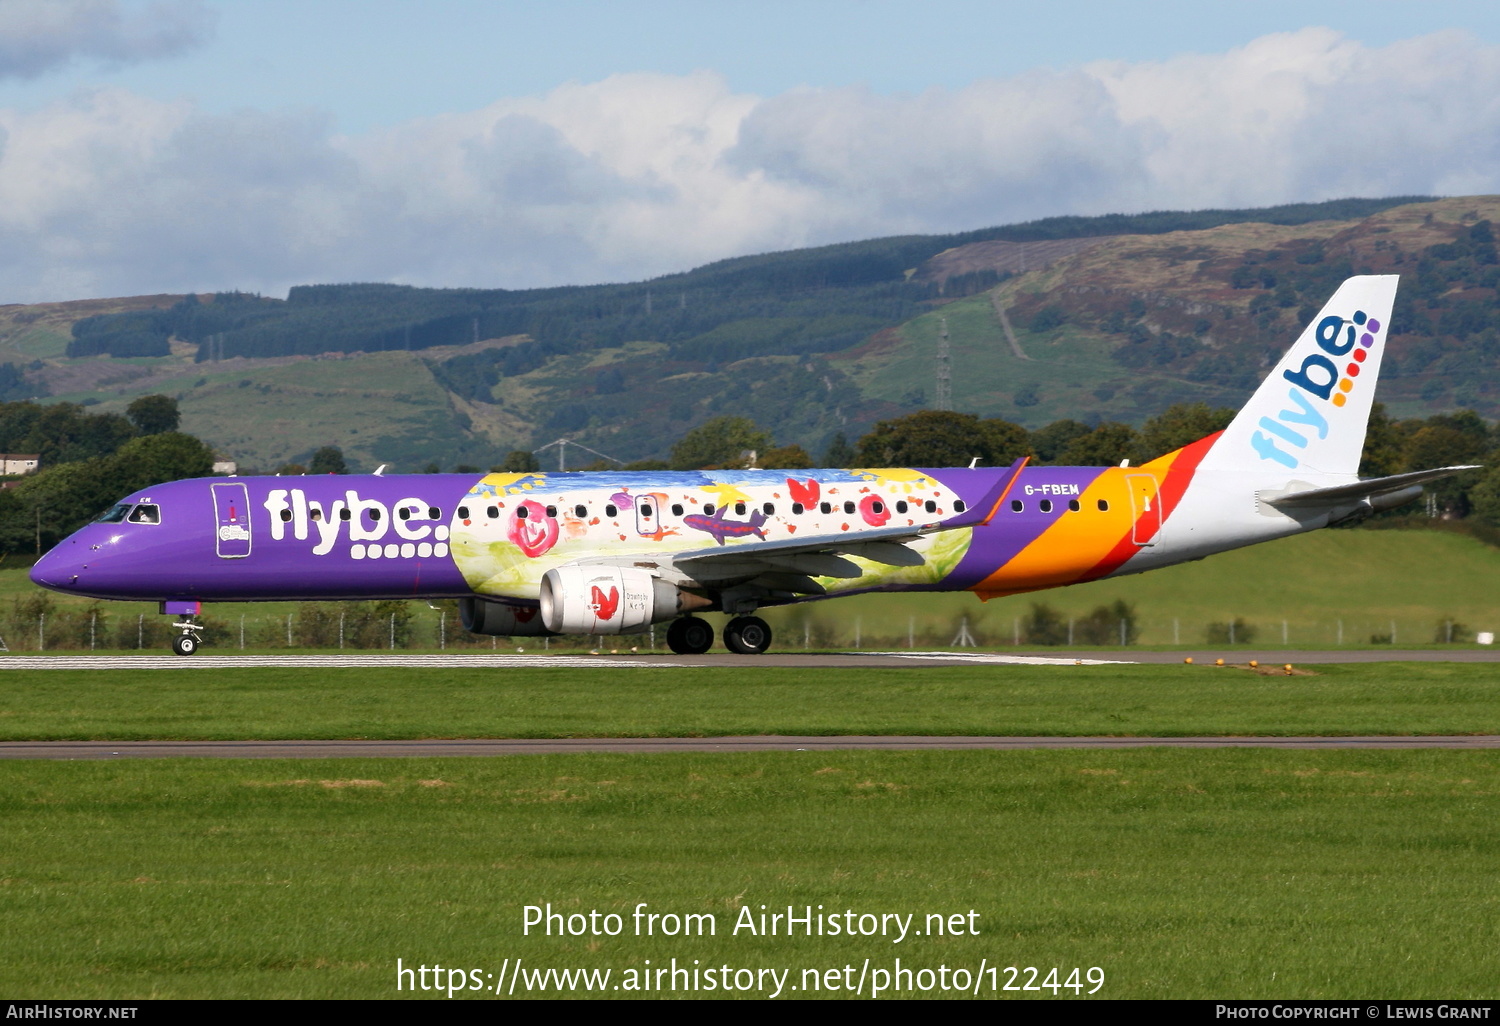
(979, 514)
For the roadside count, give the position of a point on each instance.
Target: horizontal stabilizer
(1366, 489)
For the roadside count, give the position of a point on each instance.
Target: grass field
(1393, 698)
(1178, 873)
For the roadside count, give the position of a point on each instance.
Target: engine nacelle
(610, 600)
(481, 616)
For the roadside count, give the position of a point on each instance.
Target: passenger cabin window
(930, 506)
(316, 511)
(374, 514)
(145, 513)
(433, 513)
(114, 514)
(647, 511)
(958, 506)
(404, 512)
(1103, 505)
(286, 516)
(825, 507)
(848, 507)
(708, 508)
(797, 508)
(552, 511)
(1046, 505)
(769, 509)
(580, 511)
(901, 506)
(344, 513)
(677, 509)
(463, 512)
(1073, 505)
(1016, 505)
(739, 509)
(610, 510)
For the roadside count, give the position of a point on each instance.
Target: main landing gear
(690, 636)
(186, 643)
(746, 635)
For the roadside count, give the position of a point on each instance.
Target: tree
(328, 460)
(1181, 424)
(518, 461)
(942, 438)
(154, 414)
(1385, 446)
(1049, 442)
(839, 453)
(721, 442)
(786, 457)
(1105, 446)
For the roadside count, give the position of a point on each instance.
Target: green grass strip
(1192, 873)
(1389, 698)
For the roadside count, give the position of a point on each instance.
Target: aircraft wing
(790, 564)
(1370, 488)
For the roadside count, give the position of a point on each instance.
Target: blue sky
(206, 144)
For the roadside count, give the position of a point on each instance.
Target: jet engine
(584, 599)
(481, 616)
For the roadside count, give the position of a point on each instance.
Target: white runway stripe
(995, 657)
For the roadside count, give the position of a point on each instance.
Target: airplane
(529, 554)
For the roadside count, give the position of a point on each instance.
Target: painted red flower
(874, 510)
(805, 492)
(533, 533)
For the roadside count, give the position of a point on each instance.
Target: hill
(1110, 318)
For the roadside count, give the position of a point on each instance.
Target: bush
(1235, 632)
(1451, 632)
(1044, 626)
(1102, 626)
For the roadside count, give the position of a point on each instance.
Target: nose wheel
(690, 636)
(186, 643)
(747, 635)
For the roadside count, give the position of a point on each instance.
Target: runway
(96, 750)
(799, 660)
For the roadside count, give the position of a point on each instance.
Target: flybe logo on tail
(1320, 378)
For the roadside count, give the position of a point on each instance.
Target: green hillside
(1114, 318)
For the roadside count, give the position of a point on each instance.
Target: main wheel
(184, 644)
(690, 636)
(747, 635)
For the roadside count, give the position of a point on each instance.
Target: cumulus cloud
(37, 36)
(110, 193)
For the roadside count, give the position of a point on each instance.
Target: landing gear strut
(690, 636)
(186, 643)
(747, 635)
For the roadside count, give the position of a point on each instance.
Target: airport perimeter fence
(38, 623)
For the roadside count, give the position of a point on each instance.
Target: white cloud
(110, 193)
(37, 36)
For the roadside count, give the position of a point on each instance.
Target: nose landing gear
(186, 643)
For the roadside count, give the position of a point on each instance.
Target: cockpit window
(145, 513)
(114, 514)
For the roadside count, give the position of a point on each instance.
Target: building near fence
(19, 463)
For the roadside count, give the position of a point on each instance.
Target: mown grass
(1124, 700)
(1180, 873)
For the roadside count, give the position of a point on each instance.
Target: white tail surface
(1309, 416)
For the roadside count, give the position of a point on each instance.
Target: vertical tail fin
(1310, 414)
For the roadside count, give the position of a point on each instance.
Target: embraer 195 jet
(614, 553)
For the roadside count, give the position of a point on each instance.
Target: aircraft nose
(57, 569)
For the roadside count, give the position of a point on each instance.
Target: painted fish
(720, 528)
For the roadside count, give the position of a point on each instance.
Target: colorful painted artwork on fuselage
(512, 528)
